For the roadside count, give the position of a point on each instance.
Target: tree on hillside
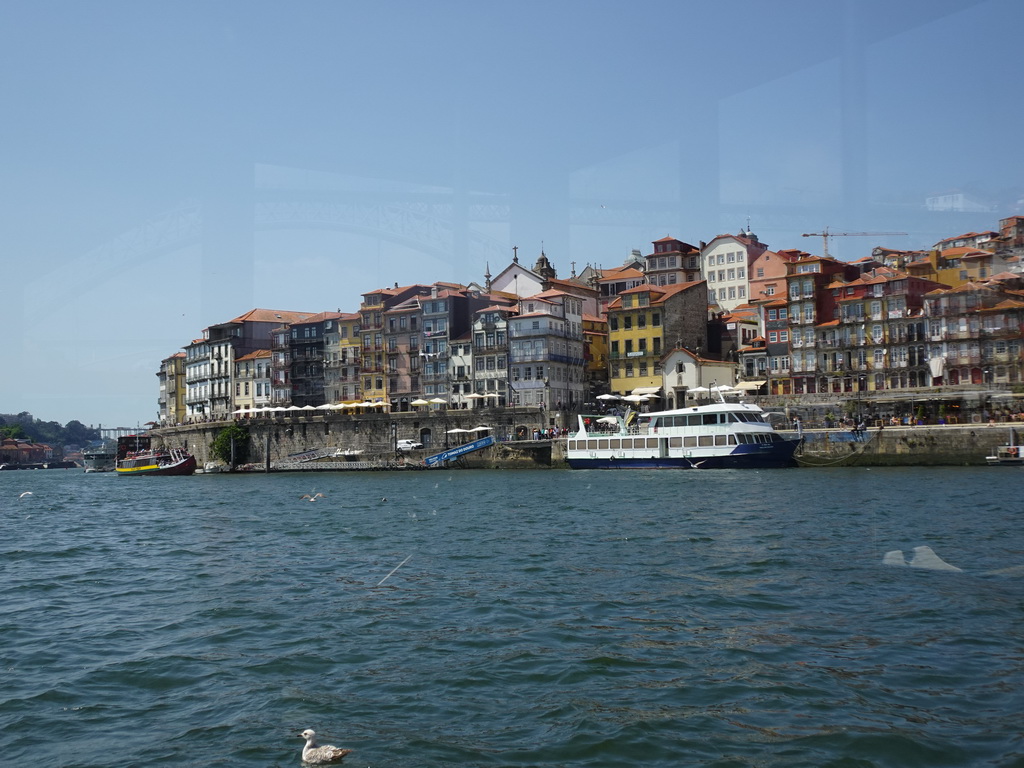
(49, 432)
(14, 430)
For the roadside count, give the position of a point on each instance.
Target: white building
(726, 264)
(684, 371)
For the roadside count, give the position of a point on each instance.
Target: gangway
(460, 450)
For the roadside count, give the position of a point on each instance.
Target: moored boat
(135, 456)
(100, 458)
(1009, 455)
(721, 435)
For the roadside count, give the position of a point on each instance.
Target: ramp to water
(459, 450)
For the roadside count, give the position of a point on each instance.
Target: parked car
(408, 445)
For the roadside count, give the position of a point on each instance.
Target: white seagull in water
(313, 497)
(26, 493)
(317, 755)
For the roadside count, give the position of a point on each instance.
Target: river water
(527, 618)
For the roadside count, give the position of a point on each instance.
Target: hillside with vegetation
(24, 426)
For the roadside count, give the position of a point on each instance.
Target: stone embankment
(372, 439)
(924, 445)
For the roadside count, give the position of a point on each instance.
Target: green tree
(13, 430)
(221, 445)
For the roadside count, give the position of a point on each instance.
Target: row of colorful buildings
(678, 319)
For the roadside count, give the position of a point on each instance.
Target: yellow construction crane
(826, 235)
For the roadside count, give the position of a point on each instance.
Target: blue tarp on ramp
(454, 453)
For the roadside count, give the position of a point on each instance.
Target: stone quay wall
(924, 445)
(374, 434)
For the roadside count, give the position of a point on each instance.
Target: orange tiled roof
(254, 355)
(270, 316)
(619, 273)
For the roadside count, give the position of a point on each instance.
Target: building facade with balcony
(974, 333)
(672, 261)
(460, 372)
(489, 370)
(252, 381)
(403, 361)
(307, 346)
(342, 350)
(197, 379)
(813, 312)
(880, 334)
(210, 361)
(546, 352)
(373, 368)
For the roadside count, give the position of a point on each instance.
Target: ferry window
(704, 440)
(732, 440)
(602, 444)
(710, 418)
(615, 445)
(689, 442)
(721, 439)
(693, 421)
(675, 442)
(652, 442)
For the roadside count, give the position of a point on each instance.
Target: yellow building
(343, 352)
(595, 352)
(957, 266)
(172, 389)
(644, 322)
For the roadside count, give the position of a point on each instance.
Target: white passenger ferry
(716, 436)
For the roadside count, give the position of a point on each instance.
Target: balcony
(525, 333)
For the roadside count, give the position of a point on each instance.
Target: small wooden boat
(135, 456)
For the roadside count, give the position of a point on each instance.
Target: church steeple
(543, 267)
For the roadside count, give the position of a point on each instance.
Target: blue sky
(170, 166)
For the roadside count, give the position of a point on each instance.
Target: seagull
(313, 497)
(26, 493)
(317, 755)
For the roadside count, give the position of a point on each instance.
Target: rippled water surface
(726, 618)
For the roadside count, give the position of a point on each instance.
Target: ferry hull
(184, 467)
(778, 456)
